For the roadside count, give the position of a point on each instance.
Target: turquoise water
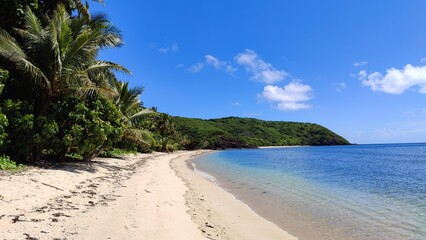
(333, 192)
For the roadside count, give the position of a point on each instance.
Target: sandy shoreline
(144, 196)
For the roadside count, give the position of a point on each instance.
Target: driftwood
(45, 184)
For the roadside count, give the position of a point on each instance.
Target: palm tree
(82, 9)
(60, 59)
(128, 102)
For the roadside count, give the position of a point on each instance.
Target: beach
(142, 196)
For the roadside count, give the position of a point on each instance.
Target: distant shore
(143, 196)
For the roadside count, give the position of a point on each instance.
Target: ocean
(329, 192)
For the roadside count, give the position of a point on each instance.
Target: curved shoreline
(143, 196)
(219, 214)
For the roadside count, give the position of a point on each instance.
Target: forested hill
(234, 132)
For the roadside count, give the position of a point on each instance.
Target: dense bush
(71, 127)
(83, 128)
(3, 118)
(163, 128)
(20, 130)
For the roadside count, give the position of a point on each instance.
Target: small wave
(204, 174)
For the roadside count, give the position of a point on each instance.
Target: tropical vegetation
(234, 132)
(59, 101)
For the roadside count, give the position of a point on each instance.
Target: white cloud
(340, 87)
(423, 60)
(396, 81)
(215, 62)
(180, 65)
(292, 106)
(260, 70)
(236, 104)
(196, 68)
(360, 64)
(362, 74)
(291, 97)
(174, 48)
(230, 69)
(219, 64)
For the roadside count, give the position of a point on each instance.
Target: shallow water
(333, 192)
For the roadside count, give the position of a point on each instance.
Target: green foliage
(245, 132)
(135, 139)
(128, 102)
(55, 100)
(116, 152)
(3, 119)
(8, 165)
(59, 58)
(12, 12)
(20, 129)
(162, 125)
(82, 127)
(71, 126)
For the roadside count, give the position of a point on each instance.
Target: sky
(355, 67)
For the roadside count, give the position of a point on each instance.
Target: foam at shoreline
(204, 174)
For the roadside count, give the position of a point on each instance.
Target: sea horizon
(324, 192)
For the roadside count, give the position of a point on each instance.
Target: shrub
(70, 127)
(8, 165)
(83, 127)
(116, 152)
(3, 119)
(20, 129)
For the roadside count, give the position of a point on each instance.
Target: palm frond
(9, 47)
(138, 136)
(32, 23)
(100, 65)
(11, 51)
(84, 10)
(141, 113)
(83, 86)
(61, 56)
(81, 49)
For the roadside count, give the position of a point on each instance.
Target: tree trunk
(91, 156)
(44, 104)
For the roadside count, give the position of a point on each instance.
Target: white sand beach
(143, 196)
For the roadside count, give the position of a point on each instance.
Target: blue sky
(356, 67)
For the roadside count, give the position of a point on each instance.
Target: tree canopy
(234, 132)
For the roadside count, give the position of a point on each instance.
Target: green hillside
(233, 132)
